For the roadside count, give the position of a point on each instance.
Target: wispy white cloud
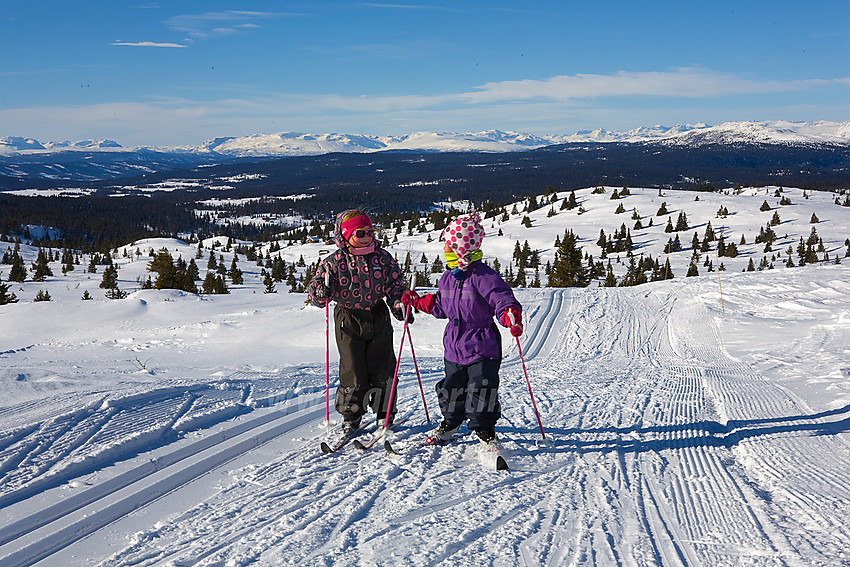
(211, 24)
(687, 83)
(571, 90)
(146, 44)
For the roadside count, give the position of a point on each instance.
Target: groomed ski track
(663, 450)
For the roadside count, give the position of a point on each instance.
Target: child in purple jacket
(469, 294)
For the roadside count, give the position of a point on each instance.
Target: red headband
(360, 221)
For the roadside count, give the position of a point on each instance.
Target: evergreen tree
(68, 260)
(423, 278)
(163, 265)
(110, 277)
(520, 280)
(437, 266)
(116, 293)
(692, 270)
(42, 295)
(214, 284)
(666, 273)
(568, 269)
(610, 278)
(18, 273)
(235, 272)
(192, 272)
(41, 268)
(497, 266)
(5, 296)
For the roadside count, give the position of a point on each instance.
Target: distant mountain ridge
(27, 163)
(285, 144)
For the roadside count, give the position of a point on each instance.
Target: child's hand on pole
(512, 318)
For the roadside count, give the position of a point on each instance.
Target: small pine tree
(41, 268)
(115, 293)
(814, 219)
(18, 273)
(42, 295)
(610, 278)
(568, 269)
(5, 296)
(163, 265)
(268, 282)
(110, 277)
(437, 266)
(666, 273)
(235, 272)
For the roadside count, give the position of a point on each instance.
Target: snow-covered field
(684, 427)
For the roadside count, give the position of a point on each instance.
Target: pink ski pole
(418, 376)
(527, 381)
(327, 352)
(398, 359)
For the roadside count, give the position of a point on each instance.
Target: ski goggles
(364, 232)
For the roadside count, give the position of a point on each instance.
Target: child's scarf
(452, 261)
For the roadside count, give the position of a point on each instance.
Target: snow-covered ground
(684, 426)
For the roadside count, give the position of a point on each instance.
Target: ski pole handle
(328, 287)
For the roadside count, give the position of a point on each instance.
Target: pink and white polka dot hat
(464, 236)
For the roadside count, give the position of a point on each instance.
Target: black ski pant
(364, 338)
(471, 391)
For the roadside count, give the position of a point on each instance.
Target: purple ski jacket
(470, 305)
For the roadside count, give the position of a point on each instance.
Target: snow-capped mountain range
(284, 144)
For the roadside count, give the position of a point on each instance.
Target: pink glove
(409, 298)
(422, 303)
(516, 324)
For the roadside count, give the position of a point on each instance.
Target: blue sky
(168, 73)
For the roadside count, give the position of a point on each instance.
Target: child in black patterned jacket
(361, 276)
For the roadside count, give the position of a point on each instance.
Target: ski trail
(664, 451)
(99, 436)
(780, 444)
